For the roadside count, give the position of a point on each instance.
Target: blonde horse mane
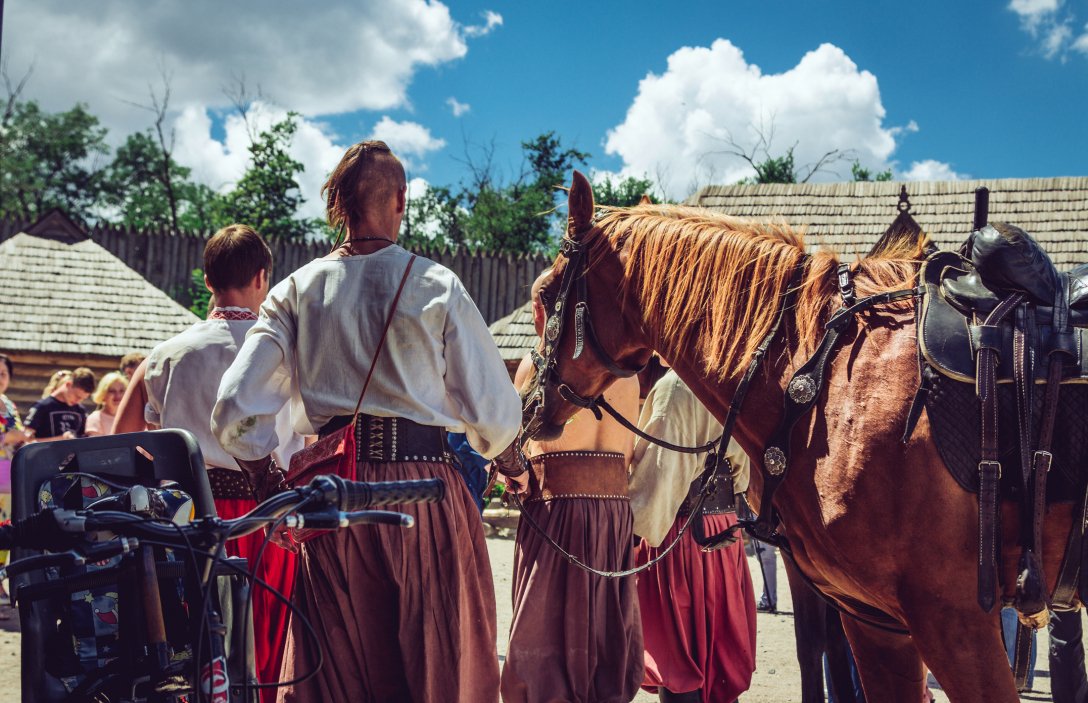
(714, 283)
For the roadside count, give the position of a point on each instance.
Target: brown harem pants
(575, 636)
(402, 614)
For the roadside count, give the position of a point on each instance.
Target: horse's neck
(754, 424)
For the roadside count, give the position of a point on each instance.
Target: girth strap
(989, 467)
(1031, 595)
(1065, 591)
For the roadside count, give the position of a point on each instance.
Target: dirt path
(776, 680)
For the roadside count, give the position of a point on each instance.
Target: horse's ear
(645, 200)
(580, 205)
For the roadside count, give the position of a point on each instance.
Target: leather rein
(574, 277)
(802, 393)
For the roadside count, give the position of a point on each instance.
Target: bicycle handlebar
(352, 496)
(331, 502)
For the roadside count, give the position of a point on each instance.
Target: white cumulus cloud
(220, 163)
(679, 127)
(317, 58)
(1081, 44)
(410, 141)
(491, 21)
(1052, 28)
(930, 170)
(1032, 12)
(457, 107)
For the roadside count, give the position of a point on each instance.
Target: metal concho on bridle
(547, 364)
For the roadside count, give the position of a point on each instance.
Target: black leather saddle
(1001, 336)
(960, 291)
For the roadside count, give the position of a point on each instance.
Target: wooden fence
(499, 283)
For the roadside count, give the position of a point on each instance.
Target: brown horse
(876, 524)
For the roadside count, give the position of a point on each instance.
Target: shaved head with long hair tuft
(368, 174)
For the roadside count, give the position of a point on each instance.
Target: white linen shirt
(660, 479)
(316, 337)
(182, 379)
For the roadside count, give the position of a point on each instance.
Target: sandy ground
(776, 680)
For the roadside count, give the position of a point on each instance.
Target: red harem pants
(277, 568)
(698, 616)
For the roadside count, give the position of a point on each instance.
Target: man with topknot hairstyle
(400, 614)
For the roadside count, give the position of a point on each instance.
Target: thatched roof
(514, 334)
(77, 298)
(849, 217)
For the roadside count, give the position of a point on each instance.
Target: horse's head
(590, 337)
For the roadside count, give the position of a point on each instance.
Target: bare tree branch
(244, 101)
(480, 166)
(12, 90)
(159, 106)
(831, 157)
(759, 158)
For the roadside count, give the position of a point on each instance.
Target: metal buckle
(984, 464)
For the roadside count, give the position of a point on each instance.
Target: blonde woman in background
(55, 380)
(107, 396)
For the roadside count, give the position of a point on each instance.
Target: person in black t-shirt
(60, 415)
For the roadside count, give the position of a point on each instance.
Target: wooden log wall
(34, 369)
(499, 283)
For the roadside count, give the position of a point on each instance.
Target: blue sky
(929, 89)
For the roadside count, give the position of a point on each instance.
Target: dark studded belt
(716, 502)
(394, 439)
(228, 484)
(577, 474)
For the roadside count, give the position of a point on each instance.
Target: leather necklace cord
(367, 239)
(346, 244)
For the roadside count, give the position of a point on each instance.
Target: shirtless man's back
(575, 635)
(584, 432)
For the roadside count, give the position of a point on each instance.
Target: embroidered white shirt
(182, 378)
(660, 479)
(315, 341)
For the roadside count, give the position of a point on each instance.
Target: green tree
(512, 220)
(142, 189)
(267, 196)
(860, 173)
(623, 193)
(519, 217)
(485, 213)
(50, 160)
(773, 169)
(549, 162)
(199, 294)
(435, 218)
(202, 210)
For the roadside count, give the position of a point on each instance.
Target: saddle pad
(954, 417)
(944, 335)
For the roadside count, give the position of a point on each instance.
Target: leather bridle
(775, 457)
(547, 364)
(574, 277)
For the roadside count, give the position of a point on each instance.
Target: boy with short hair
(179, 380)
(60, 415)
(129, 362)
